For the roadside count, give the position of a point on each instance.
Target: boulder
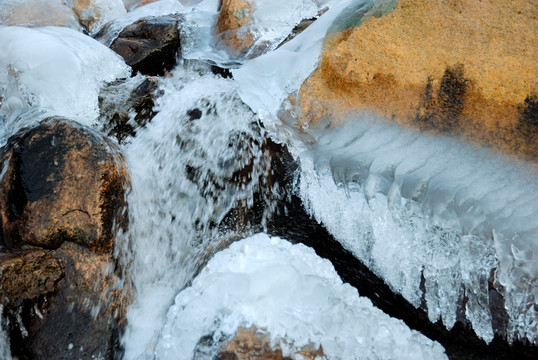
(234, 35)
(92, 14)
(61, 182)
(62, 201)
(38, 13)
(150, 45)
(126, 105)
(61, 304)
(458, 67)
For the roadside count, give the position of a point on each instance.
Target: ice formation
(411, 206)
(55, 70)
(293, 294)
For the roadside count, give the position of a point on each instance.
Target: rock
(459, 67)
(62, 304)
(61, 182)
(92, 14)
(38, 13)
(234, 36)
(125, 110)
(150, 45)
(255, 344)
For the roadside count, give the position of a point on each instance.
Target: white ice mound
(293, 294)
(432, 213)
(55, 69)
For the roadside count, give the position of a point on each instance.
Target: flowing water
(438, 220)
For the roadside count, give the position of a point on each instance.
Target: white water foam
(295, 296)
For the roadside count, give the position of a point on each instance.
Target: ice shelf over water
(419, 208)
(294, 295)
(55, 70)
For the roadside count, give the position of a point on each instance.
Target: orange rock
(254, 344)
(232, 26)
(460, 66)
(38, 13)
(62, 182)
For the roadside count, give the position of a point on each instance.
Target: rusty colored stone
(234, 16)
(255, 344)
(62, 182)
(28, 275)
(460, 67)
(150, 45)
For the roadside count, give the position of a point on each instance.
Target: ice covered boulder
(38, 13)
(294, 295)
(248, 28)
(465, 67)
(53, 69)
(92, 14)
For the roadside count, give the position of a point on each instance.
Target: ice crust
(411, 205)
(53, 70)
(294, 295)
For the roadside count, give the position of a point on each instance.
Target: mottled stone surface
(460, 67)
(255, 344)
(150, 45)
(233, 34)
(31, 13)
(61, 182)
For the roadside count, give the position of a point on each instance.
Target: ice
(411, 205)
(38, 13)
(5, 351)
(293, 294)
(52, 70)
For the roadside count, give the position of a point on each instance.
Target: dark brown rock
(61, 182)
(150, 45)
(62, 304)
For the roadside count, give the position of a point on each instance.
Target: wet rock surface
(150, 45)
(471, 75)
(61, 182)
(62, 202)
(125, 110)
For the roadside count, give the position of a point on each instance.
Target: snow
(294, 295)
(55, 70)
(410, 205)
(38, 13)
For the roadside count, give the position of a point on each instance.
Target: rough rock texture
(124, 111)
(255, 344)
(52, 299)
(233, 35)
(62, 200)
(61, 182)
(30, 13)
(150, 45)
(92, 14)
(460, 66)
